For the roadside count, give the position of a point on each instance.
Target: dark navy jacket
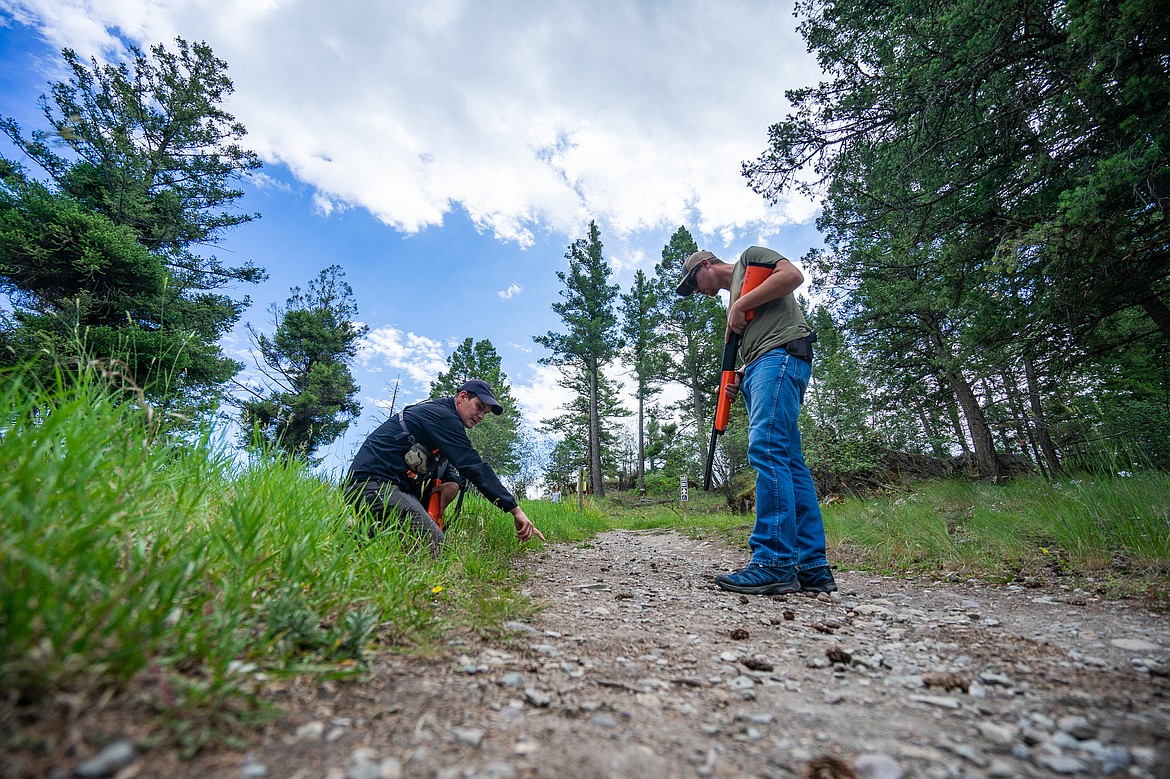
(436, 425)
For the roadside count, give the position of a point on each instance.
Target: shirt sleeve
(445, 432)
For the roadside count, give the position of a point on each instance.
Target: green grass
(123, 557)
(1110, 534)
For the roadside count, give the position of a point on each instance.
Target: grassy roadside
(171, 570)
(1109, 535)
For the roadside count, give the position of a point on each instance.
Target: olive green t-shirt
(775, 323)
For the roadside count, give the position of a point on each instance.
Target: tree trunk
(641, 441)
(1159, 312)
(1027, 440)
(1039, 420)
(953, 413)
(697, 403)
(1005, 442)
(596, 480)
(931, 438)
(986, 458)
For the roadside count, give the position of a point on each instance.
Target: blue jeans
(789, 531)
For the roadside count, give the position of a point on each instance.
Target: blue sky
(445, 153)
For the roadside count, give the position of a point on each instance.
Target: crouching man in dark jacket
(399, 459)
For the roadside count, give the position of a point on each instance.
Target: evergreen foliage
(572, 426)
(591, 338)
(312, 395)
(994, 183)
(106, 257)
(692, 335)
(643, 355)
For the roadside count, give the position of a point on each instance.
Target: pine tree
(151, 173)
(692, 331)
(643, 354)
(312, 398)
(591, 338)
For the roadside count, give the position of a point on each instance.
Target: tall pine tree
(692, 331)
(591, 334)
(153, 160)
(644, 356)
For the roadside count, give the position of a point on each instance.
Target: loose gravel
(638, 666)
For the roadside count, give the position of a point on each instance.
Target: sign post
(682, 493)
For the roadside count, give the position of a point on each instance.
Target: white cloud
(510, 292)
(387, 349)
(542, 397)
(531, 117)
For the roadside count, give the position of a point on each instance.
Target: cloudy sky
(445, 153)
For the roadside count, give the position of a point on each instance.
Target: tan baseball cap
(687, 285)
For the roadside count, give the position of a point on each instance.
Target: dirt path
(640, 667)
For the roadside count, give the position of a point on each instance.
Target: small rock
(742, 682)
(1077, 727)
(994, 679)
(513, 680)
(1001, 735)
(310, 730)
(253, 770)
(498, 771)
(870, 610)
(1060, 764)
(363, 768)
(607, 721)
(1135, 645)
(1000, 769)
(390, 768)
(756, 664)
(936, 700)
(471, 736)
(875, 765)
(537, 698)
(520, 627)
(109, 761)
(1113, 759)
(1144, 756)
(948, 681)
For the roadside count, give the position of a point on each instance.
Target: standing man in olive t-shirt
(788, 540)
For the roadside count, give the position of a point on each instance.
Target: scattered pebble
(109, 761)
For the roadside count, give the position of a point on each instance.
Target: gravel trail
(639, 667)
